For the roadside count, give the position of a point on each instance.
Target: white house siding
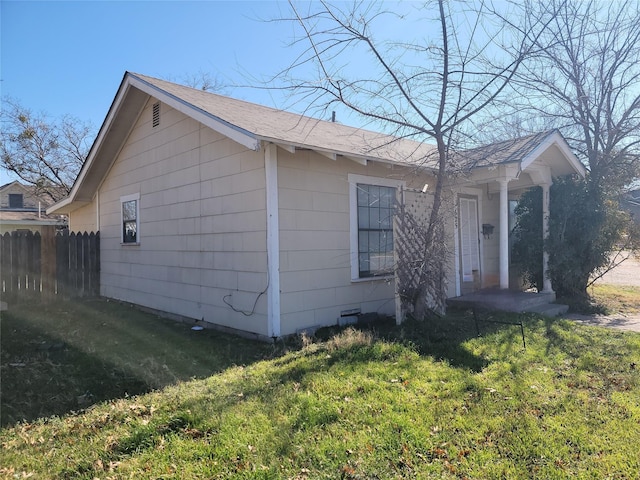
(202, 225)
(491, 246)
(315, 271)
(84, 219)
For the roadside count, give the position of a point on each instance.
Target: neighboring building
(270, 222)
(631, 203)
(22, 209)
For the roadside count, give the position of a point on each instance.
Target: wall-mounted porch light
(487, 230)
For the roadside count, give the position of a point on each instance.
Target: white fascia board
(59, 207)
(217, 124)
(561, 143)
(94, 147)
(67, 208)
(573, 160)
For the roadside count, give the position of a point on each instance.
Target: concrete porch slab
(510, 301)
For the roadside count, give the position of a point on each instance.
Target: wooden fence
(48, 264)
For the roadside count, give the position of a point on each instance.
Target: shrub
(585, 225)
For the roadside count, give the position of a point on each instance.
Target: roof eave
(223, 127)
(82, 193)
(335, 154)
(554, 138)
(65, 206)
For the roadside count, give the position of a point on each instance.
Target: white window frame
(354, 180)
(128, 198)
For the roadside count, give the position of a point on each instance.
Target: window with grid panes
(375, 229)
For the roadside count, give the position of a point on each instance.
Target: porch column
(546, 281)
(504, 233)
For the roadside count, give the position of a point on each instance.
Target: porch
(498, 176)
(510, 301)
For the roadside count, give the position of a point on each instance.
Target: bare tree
(585, 80)
(40, 152)
(204, 80)
(427, 88)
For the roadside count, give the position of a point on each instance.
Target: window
(130, 210)
(372, 207)
(16, 200)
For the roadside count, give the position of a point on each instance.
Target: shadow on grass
(65, 356)
(42, 376)
(576, 340)
(444, 338)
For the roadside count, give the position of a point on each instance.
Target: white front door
(469, 239)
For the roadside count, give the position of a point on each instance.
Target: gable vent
(156, 115)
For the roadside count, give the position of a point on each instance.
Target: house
(268, 222)
(21, 208)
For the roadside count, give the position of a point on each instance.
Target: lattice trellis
(420, 262)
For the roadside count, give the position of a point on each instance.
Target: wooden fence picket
(94, 264)
(43, 265)
(48, 262)
(62, 263)
(5, 262)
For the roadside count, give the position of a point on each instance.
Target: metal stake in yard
(476, 317)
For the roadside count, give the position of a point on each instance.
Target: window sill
(373, 279)
(130, 244)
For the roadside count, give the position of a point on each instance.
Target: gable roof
(15, 183)
(252, 125)
(32, 193)
(523, 150)
(507, 151)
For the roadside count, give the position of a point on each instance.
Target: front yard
(63, 357)
(425, 400)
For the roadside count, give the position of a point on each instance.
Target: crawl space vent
(156, 115)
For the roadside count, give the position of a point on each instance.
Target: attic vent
(156, 115)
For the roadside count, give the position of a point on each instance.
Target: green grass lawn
(425, 400)
(615, 299)
(66, 356)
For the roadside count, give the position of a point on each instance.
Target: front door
(469, 245)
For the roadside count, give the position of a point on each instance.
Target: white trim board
(273, 240)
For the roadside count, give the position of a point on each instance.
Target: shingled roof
(508, 151)
(253, 125)
(269, 124)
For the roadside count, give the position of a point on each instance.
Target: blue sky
(69, 57)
